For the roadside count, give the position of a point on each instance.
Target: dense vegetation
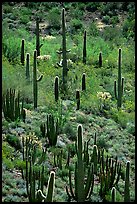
(49, 124)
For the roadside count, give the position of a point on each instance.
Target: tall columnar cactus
(78, 99)
(83, 190)
(64, 53)
(11, 106)
(50, 189)
(119, 92)
(22, 52)
(56, 88)
(127, 183)
(83, 82)
(28, 66)
(52, 130)
(84, 49)
(38, 46)
(100, 59)
(113, 193)
(35, 80)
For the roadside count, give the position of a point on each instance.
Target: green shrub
(75, 25)
(54, 18)
(92, 29)
(106, 19)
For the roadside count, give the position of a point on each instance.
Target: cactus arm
(90, 179)
(40, 78)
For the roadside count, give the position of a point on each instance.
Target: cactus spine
(100, 59)
(22, 52)
(83, 82)
(119, 92)
(28, 66)
(84, 49)
(38, 46)
(127, 184)
(35, 80)
(50, 189)
(78, 99)
(56, 88)
(83, 190)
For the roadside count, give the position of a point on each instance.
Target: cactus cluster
(50, 129)
(83, 190)
(11, 106)
(35, 179)
(120, 89)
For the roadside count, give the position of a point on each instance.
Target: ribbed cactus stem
(38, 46)
(51, 183)
(64, 62)
(100, 59)
(28, 66)
(56, 88)
(84, 48)
(95, 158)
(78, 99)
(80, 174)
(35, 89)
(127, 183)
(22, 52)
(113, 193)
(83, 82)
(119, 93)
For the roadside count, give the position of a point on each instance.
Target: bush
(93, 30)
(54, 18)
(75, 25)
(106, 19)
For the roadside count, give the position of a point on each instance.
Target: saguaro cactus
(28, 66)
(38, 46)
(35, 80)
(64, 52)
(100, 59)
(22, 52)
(50, 189)
(56, 88)
(84, 48)
(52, 130)
(127, 184)
(78, 99)
(83, 82)
(120, 89)
(83, 190)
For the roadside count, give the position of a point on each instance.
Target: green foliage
(75, 26)
(54, 18)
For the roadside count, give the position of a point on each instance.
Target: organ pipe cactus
(38, 46)
(83, 190)
(52, 130)
(127, 183)
(22, 52)
(100, 59)
(56, 88)
(50, 189)
(119, 92)
(84, 48)
(78, 99)
(83, 82)
(28, 66)
(35, 80)
(11, 106)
